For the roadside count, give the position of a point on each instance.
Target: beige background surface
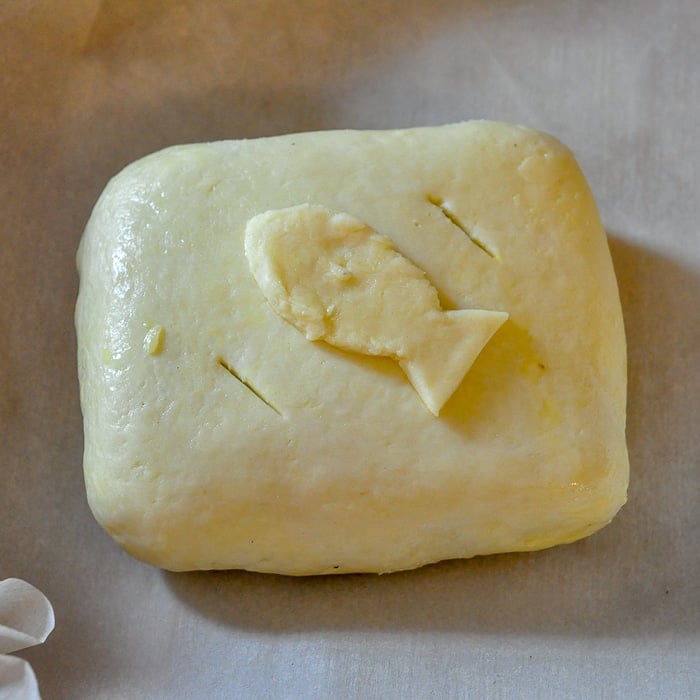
(89, 86)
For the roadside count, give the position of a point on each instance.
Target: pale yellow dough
(335, 279)
(229, 425)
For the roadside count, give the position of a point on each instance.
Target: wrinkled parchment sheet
(89, 86)
(26, 619)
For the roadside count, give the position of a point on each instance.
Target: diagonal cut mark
(452, 217)
(246, 384)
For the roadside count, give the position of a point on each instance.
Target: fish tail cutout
(437, 369)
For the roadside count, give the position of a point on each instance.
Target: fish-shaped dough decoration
(336, 279)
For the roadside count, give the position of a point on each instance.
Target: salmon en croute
(351, 351)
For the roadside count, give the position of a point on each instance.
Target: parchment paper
(89, 86)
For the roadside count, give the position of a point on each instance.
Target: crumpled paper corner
(26, 619)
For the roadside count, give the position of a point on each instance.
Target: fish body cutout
(336, 279)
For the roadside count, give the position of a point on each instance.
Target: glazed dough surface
(218, 435)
